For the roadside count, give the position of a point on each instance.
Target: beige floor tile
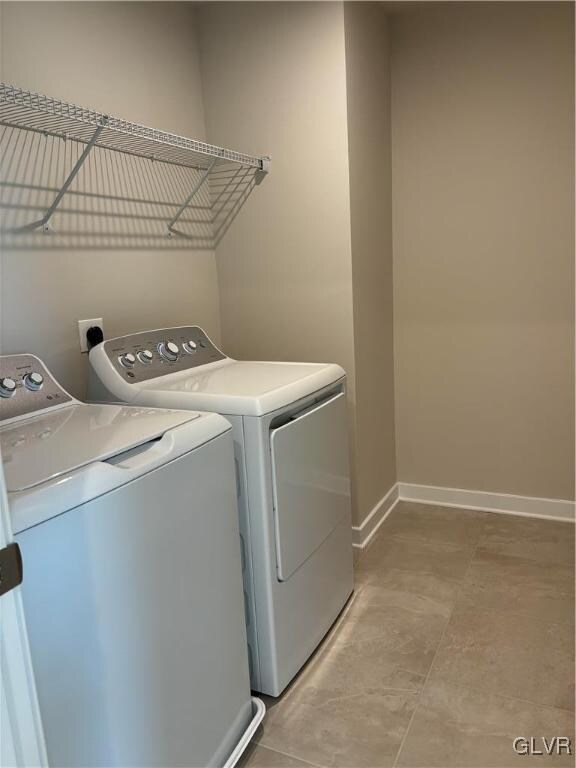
(439, 592)
(455, 727)
(501, 652)
(344, 670)
(397, 570)
(406, 628)
(530, 538)
(362, 730)
(430, 558)
(349, 707)
(262, 757)
(520, 585)
(424, 522)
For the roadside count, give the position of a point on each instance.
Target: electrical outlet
(83, 326)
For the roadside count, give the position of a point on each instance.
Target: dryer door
(311, 481)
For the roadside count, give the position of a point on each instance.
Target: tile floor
(459, 638)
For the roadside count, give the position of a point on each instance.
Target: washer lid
(44, 447)
(240, 387)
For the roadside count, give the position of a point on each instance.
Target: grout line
(287, 754)
(432, 542)
(539, 704)
(512, 612)
(418, 702)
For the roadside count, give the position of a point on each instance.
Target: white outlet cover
(83, 326)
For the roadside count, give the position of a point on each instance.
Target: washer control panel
(150, 354)
(27, 386)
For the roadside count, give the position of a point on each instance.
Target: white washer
(126, 519)
(290, 438)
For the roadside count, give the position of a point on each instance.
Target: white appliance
(126, 519)
(290, 439)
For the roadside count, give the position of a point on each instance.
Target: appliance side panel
(135, 612)
(247, 549)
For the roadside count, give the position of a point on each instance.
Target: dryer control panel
(142, 356)
(26, 386)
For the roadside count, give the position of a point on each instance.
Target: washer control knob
(168, 350)
(190, 347)
(33, 381)
(7, 387)
(145, 356)
(127, 360)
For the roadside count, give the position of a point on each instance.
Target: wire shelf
(92, 180)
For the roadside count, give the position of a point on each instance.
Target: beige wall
(274, 80)
(369, 144)
(483, 163)
(134, 60)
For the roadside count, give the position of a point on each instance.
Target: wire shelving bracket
(112, 182)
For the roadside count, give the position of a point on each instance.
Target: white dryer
(126, 519)
(290, 438)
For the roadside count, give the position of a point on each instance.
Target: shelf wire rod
(143, 172)
(182, 181)
(6, 156)
(237, 172)
(125, 186)
(195, 189)
(112, 180)
(231, 204)
(205, 209)
(247, 172)
(43, 222)
(165, 182)
(109, 208)
(28, 153)
(52, 162)
(144, 175)
(158, 183)
(137, 176)
(139, 173)
(41, 162)
(233, 212)
(154, 183)
(7, 160)
(19, 155)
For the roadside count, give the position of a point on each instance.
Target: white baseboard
(363, 534)
(526, 506)
(483, 501)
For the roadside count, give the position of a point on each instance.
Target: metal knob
(190, 347)
(127, 360)
(168, 350)
(33, 381)
(145, 356)
(7, 387)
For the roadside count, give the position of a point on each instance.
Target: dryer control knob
(127, 360)
(190, 347)
(33, 381)
(7, 387)
(168, 350)
(145, 356)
